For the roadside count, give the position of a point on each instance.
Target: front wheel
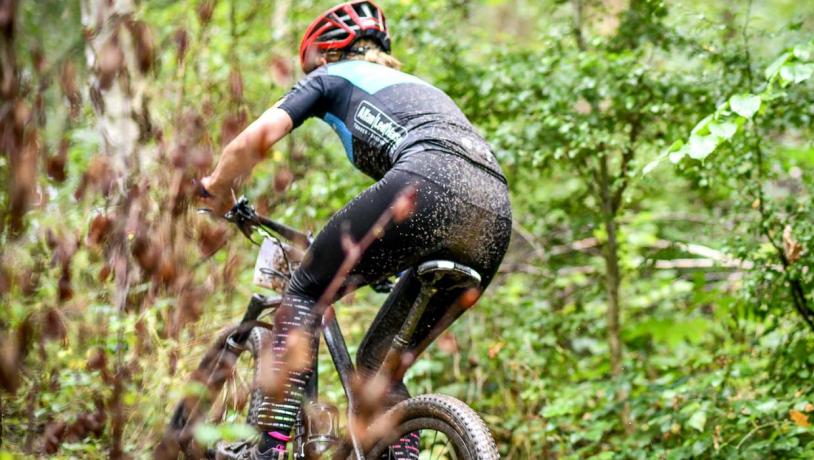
(448, 429)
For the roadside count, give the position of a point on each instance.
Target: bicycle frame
(245, 218)
(343, 364)
(338, 349)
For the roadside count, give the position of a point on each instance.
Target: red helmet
(343, 24)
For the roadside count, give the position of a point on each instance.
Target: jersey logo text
(375, 124)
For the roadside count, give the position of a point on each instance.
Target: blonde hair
(373, 53)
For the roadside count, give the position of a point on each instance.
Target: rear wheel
(448, 429)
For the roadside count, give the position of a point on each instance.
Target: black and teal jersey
(382, 114)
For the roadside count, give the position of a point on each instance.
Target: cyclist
(404, 133)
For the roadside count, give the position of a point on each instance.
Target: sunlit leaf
(236, 431)
(675, 157)
(767, 406)
(745, 105)
(775, 66)
(701, 127)
(804, 52)
(559, 408)
(207, 434)
(701, 146)
(796, 73)
(649, 167)
(723, 130)
(698, 420)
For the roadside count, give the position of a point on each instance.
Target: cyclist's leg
(400, 246)
(442, 310)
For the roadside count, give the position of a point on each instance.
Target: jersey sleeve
(306, 99)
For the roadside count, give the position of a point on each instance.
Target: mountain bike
(447, 428)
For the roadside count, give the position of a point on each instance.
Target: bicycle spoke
(446, 446)
(435, 448)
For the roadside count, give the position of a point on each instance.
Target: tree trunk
(281, 20)
(613, 279)
(119, 52)
(612, 275)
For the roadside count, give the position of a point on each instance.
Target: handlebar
(245, 218)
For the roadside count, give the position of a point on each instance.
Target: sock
(407, 448)
(273, 440)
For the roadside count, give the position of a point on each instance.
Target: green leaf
(702, 146)
(701, 127)
(195, 389)
(745, 105)
(649, 167)
(804, 52)
(559, 408)
(724, 130)
(796, 73)
(673, 149)
(767, 406)
(698, 420)
(678, 155)
(207, 434)
(775, 66)
(676, 146)
(236, 431)
(773, 96)
(130, 398)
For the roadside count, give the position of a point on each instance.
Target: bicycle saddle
(445, 274)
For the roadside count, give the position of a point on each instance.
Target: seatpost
(391, 365)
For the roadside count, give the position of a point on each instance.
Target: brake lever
(242, 215)
(246, 229)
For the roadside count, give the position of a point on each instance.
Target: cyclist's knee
(303, 284)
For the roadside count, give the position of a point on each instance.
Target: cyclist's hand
(219, 201)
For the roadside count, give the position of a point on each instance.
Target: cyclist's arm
(250, 146)
(244, 152)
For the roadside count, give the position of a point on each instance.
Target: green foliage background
(717, 359)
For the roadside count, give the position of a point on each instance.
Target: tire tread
(453, 411)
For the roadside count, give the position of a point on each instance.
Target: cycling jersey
(382, 114)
